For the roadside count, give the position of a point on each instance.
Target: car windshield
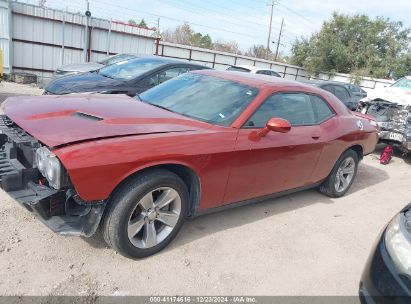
(202, 97)
(403, 83)
(116, 58)
(353, 88)
(131, 68)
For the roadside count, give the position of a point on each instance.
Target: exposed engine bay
(393, 119)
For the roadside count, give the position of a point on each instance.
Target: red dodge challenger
(206, 140)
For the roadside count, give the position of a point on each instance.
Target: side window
(322, 109)
(196, 68)
(263, 72)
(328, 88)
(294, 107)
(355, 88)
(165, 75)
(341, 93)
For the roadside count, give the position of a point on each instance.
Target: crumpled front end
(394, 121)
(60, 209)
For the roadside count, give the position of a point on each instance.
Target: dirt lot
(301, 244)
(8, 89)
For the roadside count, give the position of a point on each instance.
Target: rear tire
(342, 175)
(145, 213)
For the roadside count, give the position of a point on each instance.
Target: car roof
(324, 82)
(255, 80)
(251, 68)
(167, 60)
(274, 84)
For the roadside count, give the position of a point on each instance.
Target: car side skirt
(254, 200)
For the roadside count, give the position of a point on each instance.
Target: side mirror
(275, 125)
(131, 94)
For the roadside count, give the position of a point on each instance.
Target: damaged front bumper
(394, 121)
(60, 210)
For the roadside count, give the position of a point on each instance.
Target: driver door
(278, 161)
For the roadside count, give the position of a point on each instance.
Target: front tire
(342, 176)
(145, 213)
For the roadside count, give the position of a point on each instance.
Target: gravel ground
(300, 244)
(8, 89)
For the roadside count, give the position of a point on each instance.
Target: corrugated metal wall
(44, 39)
(221, 61)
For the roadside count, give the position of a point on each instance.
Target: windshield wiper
(105, 75)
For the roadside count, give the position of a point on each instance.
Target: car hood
(80, 67)
(61, 120)
(391, 94)
(81, 83)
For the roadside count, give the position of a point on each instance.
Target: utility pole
(158, 27)
(86, 37)
(269, 29)
(279, 39)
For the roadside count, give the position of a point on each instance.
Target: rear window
(130, 69)
(238, 69)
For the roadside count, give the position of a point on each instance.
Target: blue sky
(243, 21)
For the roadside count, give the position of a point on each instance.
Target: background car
(338, 89)
(196, 143)
(387, 274)
(253, 70)
(356, 90)
(391, 107)
(72, 69)
(403, 83)
(130, 77)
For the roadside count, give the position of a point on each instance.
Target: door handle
(316, 137)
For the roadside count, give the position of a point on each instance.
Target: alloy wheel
(154, 217)
(345, 174)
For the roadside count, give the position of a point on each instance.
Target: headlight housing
(50, 167)
(398, 241)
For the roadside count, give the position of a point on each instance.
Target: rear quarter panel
(340, 134)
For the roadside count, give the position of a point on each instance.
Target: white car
(391, 106)
(73, 69)
(253, 70)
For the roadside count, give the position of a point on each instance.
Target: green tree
(226, 46)
(142, 23)
(354, 44)
(195, 39)
(260, 51)
(206, 42)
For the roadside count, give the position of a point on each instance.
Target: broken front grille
(17, 152)
(391, 117)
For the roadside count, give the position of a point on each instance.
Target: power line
(176, 19)
(221, 18)
(299, 15)
(196, 7)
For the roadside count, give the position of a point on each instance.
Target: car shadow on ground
(206, 225)
(202, 226)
